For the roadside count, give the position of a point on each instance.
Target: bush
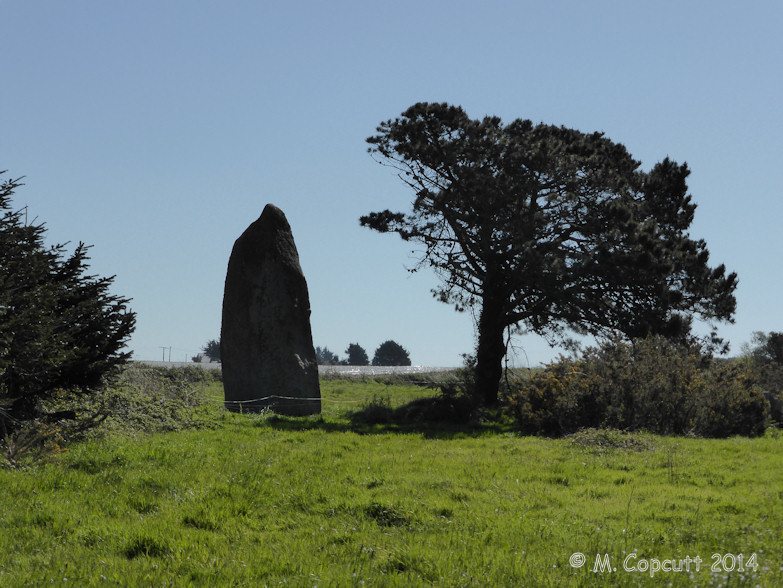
(766, 360)
(734, 406)
(554, 401)
(146, 399)
(650, 385)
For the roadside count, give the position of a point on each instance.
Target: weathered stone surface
(266, 342)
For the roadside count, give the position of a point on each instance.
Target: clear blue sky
(157, 131)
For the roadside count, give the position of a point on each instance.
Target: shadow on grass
(439, 417)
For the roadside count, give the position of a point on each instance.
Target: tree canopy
(768, 347)
(212, 349)
(356, 355)
(325, 357)
(547, 229)
(391, 353)
(60, 328)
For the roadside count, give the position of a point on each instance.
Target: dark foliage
(356, 355)
(649, 384)
(325, 357)
(212, 349)
(768, 348)
(766, 358)
(391, 353)
(548, 229)
(60, 328)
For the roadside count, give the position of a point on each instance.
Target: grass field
(254, 500)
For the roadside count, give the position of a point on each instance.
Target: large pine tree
(548, 229)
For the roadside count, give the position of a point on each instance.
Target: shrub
(765, 357)
(648, 384)
(734, 405)
(150, 399)
(555, 401)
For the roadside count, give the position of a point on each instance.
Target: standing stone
(266, 344)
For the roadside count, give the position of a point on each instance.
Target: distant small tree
(356, 355)
(60, 328)
(391, 353)
(212, 349)
(325, 357)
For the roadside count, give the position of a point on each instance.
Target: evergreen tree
(549, 230)
(325, 357)
(212, 349)
(59, 327)
(391, 353)
(356, 355)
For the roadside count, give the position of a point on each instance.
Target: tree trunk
(491, 349)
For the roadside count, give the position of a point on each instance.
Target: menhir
(266, 344)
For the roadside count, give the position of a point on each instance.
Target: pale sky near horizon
(157, 131)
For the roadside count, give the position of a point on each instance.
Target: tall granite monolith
(266, 344)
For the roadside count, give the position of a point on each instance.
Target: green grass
(259, 500)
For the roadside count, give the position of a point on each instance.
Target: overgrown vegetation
(764, 356)
(650, 385)
(140, 399)
(157, 399)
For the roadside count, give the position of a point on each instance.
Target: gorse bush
(649, 384)
(734, 404)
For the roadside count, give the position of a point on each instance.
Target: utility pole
(164, 352)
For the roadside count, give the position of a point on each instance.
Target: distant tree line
(388, 353)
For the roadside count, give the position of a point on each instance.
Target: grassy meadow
(354, 497)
